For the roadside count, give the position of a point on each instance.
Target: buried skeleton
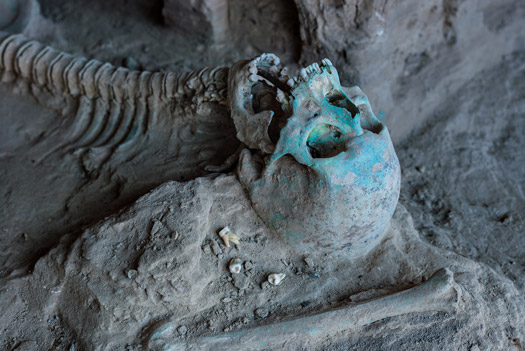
(312, 200)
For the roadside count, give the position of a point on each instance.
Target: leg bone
(439, 293)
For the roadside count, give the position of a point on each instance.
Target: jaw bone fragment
(438, 294)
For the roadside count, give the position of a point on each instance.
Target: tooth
(327, 62)
(303, 74)
(252, 69)
(253, 78)
(317, 68)
(280, 96)
(290, 83)
(284, 71)
(276, 60)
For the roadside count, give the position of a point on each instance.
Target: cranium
(322, 171)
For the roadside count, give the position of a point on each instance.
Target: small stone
(226, 300)
(309, 262)
(131, 273)
(240, 281)
(261, 312)
(182, 330)
(130, 63)
(216, 248)
(248, 265)
(305, 303)
(156, 227)
(206, 249)
(265, 285)
(314, 275)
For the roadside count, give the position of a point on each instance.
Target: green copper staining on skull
(331, 181)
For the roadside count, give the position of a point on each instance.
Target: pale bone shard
(333, 173)
(438, 294)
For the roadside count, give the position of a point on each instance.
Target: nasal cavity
(337, 98)
(325, 141)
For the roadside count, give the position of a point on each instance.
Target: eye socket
(325, 141)
(337, 98)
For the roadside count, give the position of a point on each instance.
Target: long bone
(438, 294)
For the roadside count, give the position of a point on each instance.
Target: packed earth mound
(155, 276)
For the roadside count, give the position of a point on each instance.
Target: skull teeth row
(270, 60)
(308, 72)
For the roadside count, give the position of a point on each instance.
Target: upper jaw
(266, 104)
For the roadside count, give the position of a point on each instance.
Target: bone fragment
(439, 293)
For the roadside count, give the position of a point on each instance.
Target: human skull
(322, 171)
